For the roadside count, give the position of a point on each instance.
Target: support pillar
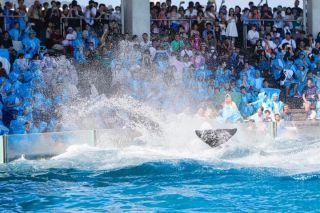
(136, 17)
(313, 17)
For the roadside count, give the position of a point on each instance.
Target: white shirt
(289, 74)
(116, 16)
(70, 36)
(253, 36)
(190, 14)
(271, 44)
(291, 42)
(145, 45)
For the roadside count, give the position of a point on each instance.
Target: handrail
(245, 27)
(206, 19)
(8, 17)
(79, 18)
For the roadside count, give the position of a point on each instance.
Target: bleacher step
(307, 123)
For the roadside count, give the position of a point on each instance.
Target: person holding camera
(289, 41)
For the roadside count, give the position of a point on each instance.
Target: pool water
(161, 186)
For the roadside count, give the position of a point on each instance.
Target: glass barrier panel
(115, 138)
(45, 144)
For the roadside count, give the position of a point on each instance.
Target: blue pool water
(162, 186)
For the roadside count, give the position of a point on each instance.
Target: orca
(215, 138)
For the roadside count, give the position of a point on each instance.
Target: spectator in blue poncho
(31, 44)
(5, 87)
(94, 39)
(276, 104)
(262, 101)
(223, 74)
(3, 129)
(202, 88)
(277, 64)
(12, 102)
(302, 60)
(248, 70)
(229, 112)
(21, 64)
(303, 81)
(246, 110)
(15, 33)
(17, 125)
(34, 67)
(289, 79)
(7, 12)
(244, 82)
(78, 49)
(257, 82)
(39, 99)
(90, 51)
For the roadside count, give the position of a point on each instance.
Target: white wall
(314, 16)
(136, 16)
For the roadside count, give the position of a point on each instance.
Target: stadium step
(307, 123)
(298, 114)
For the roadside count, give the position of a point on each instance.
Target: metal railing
(64, 22)
(246, 23)
(49, 144)
(5, 19)
(189, 21)
(263, 22)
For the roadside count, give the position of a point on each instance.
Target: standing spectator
(35, 16)
(267, 14)
(210, 13)
(90, 13)
(288, 18)
(7, 12)
(232, 31)
(75, 16)
(117, 14)
(191, 12)
(53, 16)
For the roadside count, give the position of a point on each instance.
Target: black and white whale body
(216, 137)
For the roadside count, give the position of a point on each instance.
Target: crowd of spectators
(202, 45)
